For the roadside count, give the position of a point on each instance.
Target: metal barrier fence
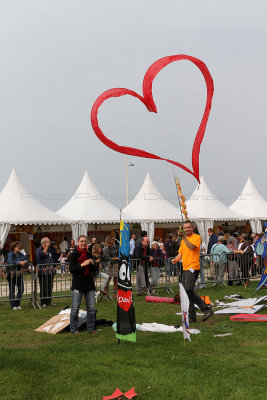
(16, 284)
(42, 283)
(234, 267)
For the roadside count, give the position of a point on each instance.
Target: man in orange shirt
(189, 253)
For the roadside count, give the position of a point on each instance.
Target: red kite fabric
(249, 317)
(119, 395)
(148, 101)
(153, 299)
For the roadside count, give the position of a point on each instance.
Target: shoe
(44, 305)
(207, 314)
(149, 292)
(155, 292)
(76, 333)
(139, 294)
(19, 308)
(14, 308)
(93, 332)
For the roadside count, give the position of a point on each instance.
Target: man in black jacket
(83, 270)
(46, 256)
(142, 253)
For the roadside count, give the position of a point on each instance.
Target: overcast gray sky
(58, 56)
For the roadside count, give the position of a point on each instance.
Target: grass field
(37, 366)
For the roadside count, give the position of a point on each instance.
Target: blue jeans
(13, 282)
(76, 298)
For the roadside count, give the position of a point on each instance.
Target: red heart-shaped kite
(148, 101)
(125, 299)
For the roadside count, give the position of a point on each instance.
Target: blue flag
(261, 250)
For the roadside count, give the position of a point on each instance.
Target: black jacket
(212, 240)
(79, 280)
(139, 254)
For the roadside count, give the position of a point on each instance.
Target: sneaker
(149, 292)
(19, 308)
(155, 292)
(93, 332)
(207, 314)
(76, 333)
(44, 305)
(14, 308)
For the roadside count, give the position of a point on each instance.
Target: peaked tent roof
(203, 204)
(88, 205)
(19, 207)
(250, 203)
(149, 205)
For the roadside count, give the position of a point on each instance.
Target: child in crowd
(62, 259)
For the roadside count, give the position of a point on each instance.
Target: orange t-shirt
(190, 258)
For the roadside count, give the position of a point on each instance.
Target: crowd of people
(180, 254)
(236, 254)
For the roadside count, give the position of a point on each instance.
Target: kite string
(169, 131)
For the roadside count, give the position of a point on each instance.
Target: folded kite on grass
(250, 318)
(119, 395)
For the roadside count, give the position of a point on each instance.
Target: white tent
(149, 207)
(252, 205)
(19, 207)
(204, 208)
(88, 206)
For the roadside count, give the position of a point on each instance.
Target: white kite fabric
(161, 328)
(184, 311)
(158, 328)
(245, 306)
(241, 310)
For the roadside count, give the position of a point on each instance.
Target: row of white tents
(87, 206)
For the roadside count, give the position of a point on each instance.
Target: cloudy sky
(58, 56)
